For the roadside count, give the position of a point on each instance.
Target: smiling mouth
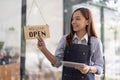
(75, 25)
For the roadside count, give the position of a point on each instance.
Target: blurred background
(14, 14)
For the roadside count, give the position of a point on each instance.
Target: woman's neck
(80, 34)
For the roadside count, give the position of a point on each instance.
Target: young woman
(81, 45)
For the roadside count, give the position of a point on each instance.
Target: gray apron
(76, 53)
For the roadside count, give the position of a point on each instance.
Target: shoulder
(96, 43)
(95, 40)
(64, 37)
(62, 43)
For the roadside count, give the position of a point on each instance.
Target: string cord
(34, 1)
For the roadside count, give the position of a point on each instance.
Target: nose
(73, 21)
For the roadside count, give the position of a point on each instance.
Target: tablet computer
(72, 64)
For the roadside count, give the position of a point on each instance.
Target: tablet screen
(72, 64)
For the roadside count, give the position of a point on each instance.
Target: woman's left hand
(84, 69)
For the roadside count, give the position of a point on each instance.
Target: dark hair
(89, 28)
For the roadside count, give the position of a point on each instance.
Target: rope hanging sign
(33, 31)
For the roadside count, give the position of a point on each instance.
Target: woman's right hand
(41, 43)
(45, 51)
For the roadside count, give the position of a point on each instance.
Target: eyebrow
(76, 17)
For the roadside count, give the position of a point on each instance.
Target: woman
(80, 45)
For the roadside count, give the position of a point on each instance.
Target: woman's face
(78, 21)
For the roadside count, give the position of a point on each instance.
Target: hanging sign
(32, 32)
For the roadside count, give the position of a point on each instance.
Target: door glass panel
(10, 36)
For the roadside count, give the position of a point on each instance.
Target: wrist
(43, 49)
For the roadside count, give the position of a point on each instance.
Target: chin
(75, 30)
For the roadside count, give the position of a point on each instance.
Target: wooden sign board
(32, 32)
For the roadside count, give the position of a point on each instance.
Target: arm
(45, 51)
(97, 59)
